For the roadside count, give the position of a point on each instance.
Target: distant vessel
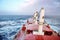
(35, 29)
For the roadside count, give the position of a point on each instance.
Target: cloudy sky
(27, 7)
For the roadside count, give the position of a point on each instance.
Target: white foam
(7, 22)
(9, 29)
(55, 28)
(12, 23)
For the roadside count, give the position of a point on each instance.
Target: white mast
(35, 17)
(41, 21)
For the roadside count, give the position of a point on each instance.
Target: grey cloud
(52, 7)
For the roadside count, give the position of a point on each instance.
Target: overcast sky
(27, 7)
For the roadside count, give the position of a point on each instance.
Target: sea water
(11, 24)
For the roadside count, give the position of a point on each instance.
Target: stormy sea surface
(11, 24)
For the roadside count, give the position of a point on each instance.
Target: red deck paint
(23, 28)
(41, 37)
(30, 36)
(51, 38)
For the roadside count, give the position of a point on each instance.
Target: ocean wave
(9, 31)
(10, 28)
(55, 25)
(55, 29)
(7, 23)
(11, 23)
